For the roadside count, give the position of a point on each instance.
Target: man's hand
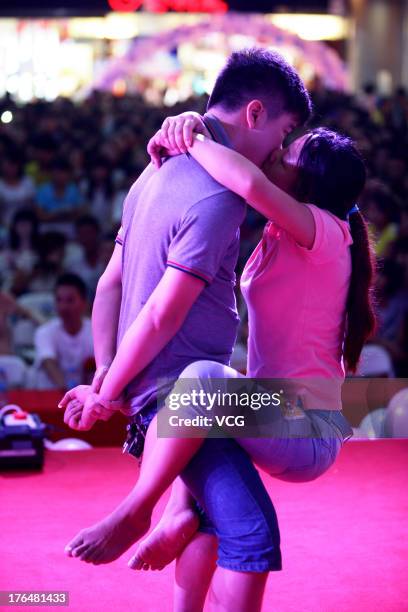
(73, 414)
(94, 410)
(73, 402)
(79, 393)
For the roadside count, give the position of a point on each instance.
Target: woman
(301, 244)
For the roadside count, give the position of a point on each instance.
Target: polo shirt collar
(216, 129)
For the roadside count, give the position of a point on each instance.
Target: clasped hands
(84, 406)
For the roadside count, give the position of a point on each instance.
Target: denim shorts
(232, 501)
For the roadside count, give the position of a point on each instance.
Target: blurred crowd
(65, 169)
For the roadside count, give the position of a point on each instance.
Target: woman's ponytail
(361, 320)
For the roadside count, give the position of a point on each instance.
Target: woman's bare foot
(166, 541)
(109, 539)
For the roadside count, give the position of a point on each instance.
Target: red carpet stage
(344, 536)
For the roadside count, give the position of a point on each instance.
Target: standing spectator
(64, 345)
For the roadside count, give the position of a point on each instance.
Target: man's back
(180, 217)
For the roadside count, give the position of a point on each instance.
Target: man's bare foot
(107, 540)
(166, 541)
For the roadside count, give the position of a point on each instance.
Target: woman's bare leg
(175, 529)
(110, 538)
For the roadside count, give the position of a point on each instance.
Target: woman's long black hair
(332, 176)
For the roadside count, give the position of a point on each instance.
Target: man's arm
(106, 308)
(157, 323)
(105, 317)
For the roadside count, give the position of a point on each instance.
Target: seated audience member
(403, 230)
(396, 173)
(43, 149)
(400, 253)
(20, 255)
(50, 264)
(399, 346)
(131, 175)
(16, 189)
(84, 256)
(10, 307)
(392, 300)
(99, 190)
(107, 246)
(381, 212)
(63, 345)
(59, 201)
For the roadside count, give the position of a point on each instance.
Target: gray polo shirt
(180, 216)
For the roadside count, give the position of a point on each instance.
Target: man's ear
(255, 115)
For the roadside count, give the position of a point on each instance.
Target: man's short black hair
(72, 280)
(265, 75)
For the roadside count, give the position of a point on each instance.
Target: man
(171, 281)
(63, 345)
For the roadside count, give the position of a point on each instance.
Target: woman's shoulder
(332, 234)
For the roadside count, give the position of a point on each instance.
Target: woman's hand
(175, 136)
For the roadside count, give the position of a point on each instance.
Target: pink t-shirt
(296, 301)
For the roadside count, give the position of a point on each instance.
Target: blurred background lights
(6, 117)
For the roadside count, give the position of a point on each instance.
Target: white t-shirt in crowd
(70, 351)
(13, 197)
